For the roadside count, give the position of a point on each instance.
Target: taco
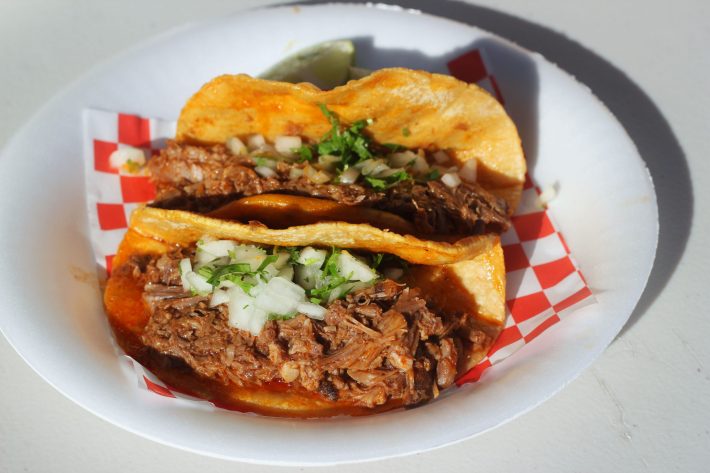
(401, 150)
(290, 325)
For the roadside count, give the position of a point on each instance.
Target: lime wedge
(325, 65)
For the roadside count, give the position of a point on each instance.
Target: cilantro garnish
(432, 175)
(230, 272)
(305, 153)
(377, 259)
(290, 315)
(350, 143)
(387, 182)
(267, 261)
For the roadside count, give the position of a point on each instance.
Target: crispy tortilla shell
(475, 285)
(415, 109)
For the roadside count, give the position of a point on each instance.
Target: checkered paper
(544, 284)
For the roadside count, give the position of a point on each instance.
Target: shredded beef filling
(198, 178)
(378, 344)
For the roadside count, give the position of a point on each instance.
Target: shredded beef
(198, 178)
(377, 344)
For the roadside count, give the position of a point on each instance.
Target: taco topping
(345, 166)
(367, 340)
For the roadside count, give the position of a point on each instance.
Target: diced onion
(218, 248)
(311, 256)
(264, 171)
(185, 267)
(307, 276)
(236, 146)
(198, 283)
(547, 195)
(371, 167)
(402, 159)
(451, 179)
(316, 176)
(295, 173)
(468, 171)
(219, 297)
(256, 142)
(119, 158)
(258, 319)
(280, 296)
(441, 157)
(327, 161)
(393, 273)
(241, 307)
(390, 172)
(312, 310)
(249, 254)
(286, 144)
(282, 259)
(349, 176)
(354, 269)
(286, 273)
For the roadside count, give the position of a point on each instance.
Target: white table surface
(643, 406)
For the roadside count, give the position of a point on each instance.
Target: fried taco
(293, 324)
(405, 151)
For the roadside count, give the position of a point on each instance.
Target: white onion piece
(441, 157)
(203, 257)
(402, 159)
(327, 161)
(185, 267)
(547, 195)
(121, 156)
(380, 170)
(249, 254)
(393, 273)
(451, 180)
(420, 166)
(198, 283)
(307, 276)
(287, 144)
(312, 310)
(282, 259)
(264, 171)
(257, 322)
(256, 142)
(236, 146)
(316, 176)
(389, 172)
(219, 297)
(280, 296)
(370, 165)
(312, 256)
(295, 173)
(349, 176)
(468, 171)
(218, 248)
(286, 273)
(241, 308)
(356, 270)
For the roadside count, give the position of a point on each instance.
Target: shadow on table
(641, 118)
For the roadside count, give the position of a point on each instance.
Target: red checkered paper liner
(544, 284)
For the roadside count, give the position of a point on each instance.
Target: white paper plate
(55, 320)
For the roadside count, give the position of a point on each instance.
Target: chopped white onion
(402, 159)
(468, 171)
(185, 267)
(219, 296)
(393, 273)
(307, 276)
(327, 161)
(198, 283)
(316, 176)
(451, 179)
(264, 171)
(280, 296)
(311, 256)
(236, 146)
(256, 142)
(312, 310)
(354, 269)
(286, 273)
(295, 173)
(217, 248)
(547, 195)
(120, 158)
(282, 259)
(287, 144)
(241, 307)
(258, 319)
(371, 167)
(349, 176)
(441, 157)
(249, 254)
(389, 172)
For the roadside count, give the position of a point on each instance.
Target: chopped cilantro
(387, 182)
(294, 254)
(377, 259)
(267, 261)
(206, 272)
(262, 161)
(305, 153)
(228, 272)
(375, 183)
(290, 315)
(432, 175)
(349, 143)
